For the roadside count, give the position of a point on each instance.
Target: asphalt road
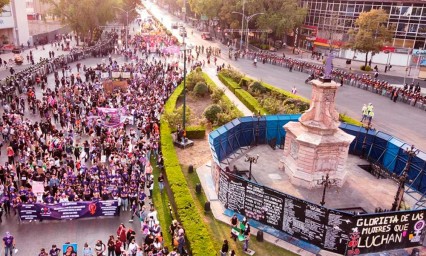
(32, 236)
(403, 121)
(399, 119)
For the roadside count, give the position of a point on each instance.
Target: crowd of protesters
(58, 135)
(409, 93)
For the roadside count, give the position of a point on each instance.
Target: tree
(84, 16)
(130, 6)
(370, 33)
(3, 3)
(210, 8)
(281, 16)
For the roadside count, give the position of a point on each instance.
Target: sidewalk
(212, 74)
(340, 63)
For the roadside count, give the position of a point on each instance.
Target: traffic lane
(399, 119)
(389, 117)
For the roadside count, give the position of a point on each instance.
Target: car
(17, 50)
(206, 36)
(174, 25)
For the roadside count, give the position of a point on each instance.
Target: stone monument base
(309, 156)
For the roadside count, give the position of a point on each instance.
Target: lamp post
(127, 22)
(247, 18)
(367, 128)
(402, 179)
(258, 116)
(325, 182)
(184, 85)
(251, 160)
(242, 24)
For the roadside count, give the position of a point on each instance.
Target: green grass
(161, 203)
(221, 231)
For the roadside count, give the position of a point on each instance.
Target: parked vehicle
(17, 50)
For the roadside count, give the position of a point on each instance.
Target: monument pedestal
(315, 146)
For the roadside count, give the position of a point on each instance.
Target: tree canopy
(371, 32)
(279, 16)
(84, 16)
(130, 6)
(3, 3)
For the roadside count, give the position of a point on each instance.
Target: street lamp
(184, 49)
(251, 159)
(325, 182)
(127, 22)
(367, 128)
(247, 18)
(412, 152)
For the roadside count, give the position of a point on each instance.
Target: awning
(326, 45)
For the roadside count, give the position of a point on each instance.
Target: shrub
(217, 95)
(256, 86)
(251, 103)
(201, 89)
(272, 105)
(196, 231)
(228, 82)
(245, 82)
(198, 69)
(174, 118)
(366, 68)
(192, 79)
(226, 102)
(232, 73)
(211, 113)
(195, 132)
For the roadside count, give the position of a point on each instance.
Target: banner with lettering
(329, 229)
(68, 210)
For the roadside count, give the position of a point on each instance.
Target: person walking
(121, 233)
(161, 182)
(99, 248)
(87, 251)
(111, 246)
(225, 248)
(10, 155)
(181, 244)
(9, 244)
(246, 241)
(118, 247)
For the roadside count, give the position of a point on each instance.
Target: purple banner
(68, 210)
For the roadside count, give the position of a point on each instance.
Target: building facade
(328, 21)
(14, 24)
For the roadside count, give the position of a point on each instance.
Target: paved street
(31, 236)
(405, 122)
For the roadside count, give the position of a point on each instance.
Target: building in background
(328, 22)
(14, 24)
(37, 10)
